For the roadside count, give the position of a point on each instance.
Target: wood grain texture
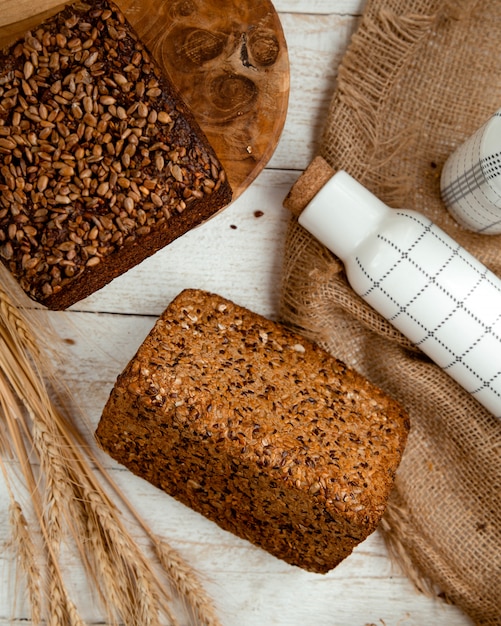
(250, 587)
(318, 7)
(229, 61)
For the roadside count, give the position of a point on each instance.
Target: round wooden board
(227, 58)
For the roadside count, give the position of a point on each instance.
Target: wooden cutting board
(228, 59)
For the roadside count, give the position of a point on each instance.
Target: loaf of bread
(101, 162)
(258, 429)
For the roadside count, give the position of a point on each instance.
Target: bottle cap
(342, 214)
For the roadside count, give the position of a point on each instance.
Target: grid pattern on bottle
(470, 181)
(457, 321)
(463, 185)
(465, 175)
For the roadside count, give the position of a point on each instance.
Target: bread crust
(101, 162)
(258, 429)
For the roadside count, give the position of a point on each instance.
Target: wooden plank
(319, 7)
(316, 46)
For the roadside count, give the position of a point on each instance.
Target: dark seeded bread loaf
(257, 429)
(101, 163)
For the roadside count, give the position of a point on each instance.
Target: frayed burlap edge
(378, 52)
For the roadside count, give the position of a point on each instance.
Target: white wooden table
(237, 255)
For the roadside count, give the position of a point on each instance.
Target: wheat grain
(61, 609)
(186, 583)
(14, 321)
(26, 555)
(146, 603)
(125, 573)
(116, 572)
(112, 586)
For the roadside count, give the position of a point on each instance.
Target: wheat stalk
(26, 553)
(24, 546)
(70, 503)
(186, 583)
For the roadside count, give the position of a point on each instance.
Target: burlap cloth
(418, 78)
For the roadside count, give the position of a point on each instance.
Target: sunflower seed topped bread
(258, 429)
(101, 162)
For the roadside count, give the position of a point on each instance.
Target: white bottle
(421, 280)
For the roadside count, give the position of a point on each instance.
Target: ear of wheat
(72, 498)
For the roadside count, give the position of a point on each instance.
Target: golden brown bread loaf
(101, 163)
(258, 429)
